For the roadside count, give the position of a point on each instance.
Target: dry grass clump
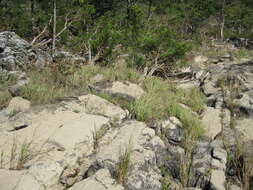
(124, 165)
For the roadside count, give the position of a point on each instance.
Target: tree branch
(42, 32)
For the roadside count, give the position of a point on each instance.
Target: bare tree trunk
(149, 8)
(33, 14)
(223, 20)
(89, 50)
(54, 28)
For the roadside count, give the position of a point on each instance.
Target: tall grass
(5, 81)
(241, 161)
(48, 85)
(162, 100)
(124, 165)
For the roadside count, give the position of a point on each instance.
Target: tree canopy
(152, 31)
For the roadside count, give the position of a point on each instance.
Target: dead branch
(66, 25)
(43, 31)
(95, 58)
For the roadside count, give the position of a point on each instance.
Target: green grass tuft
(124, 165)
(47, 86)
(5, 81)
(162, 100)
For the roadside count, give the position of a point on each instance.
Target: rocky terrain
(87, 142)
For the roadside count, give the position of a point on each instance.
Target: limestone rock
(146, 149)
(15, 52)
(212, 122)
(174, 134)
(64, 56)
(209, 88)
(41, 176)
(100, 106)
(18, 104)
(200, 59)
(126, 90)
(102, 180)
(9, 178)
(234, 187)
(218, 180)
(80, 130)
(15, 89)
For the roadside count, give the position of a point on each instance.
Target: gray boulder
(146, 157)
(41, 176)
(65, 56)
(15, 53)
(18, 54)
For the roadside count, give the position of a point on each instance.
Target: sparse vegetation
(19, 154)
(188, 144)
(47, 86)
(231, 89)
(161, 101)
(241, 160)
(76, 111)
(24, 155)
(2, 159)
(13, 113)
(97, 135)
(166, 178)
(13, 153)
(5, 98)
(5, 81)
(124, 165)
(243, 53)
(194, 98)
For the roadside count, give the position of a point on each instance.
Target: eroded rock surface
(124, 90)
(102, 180)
